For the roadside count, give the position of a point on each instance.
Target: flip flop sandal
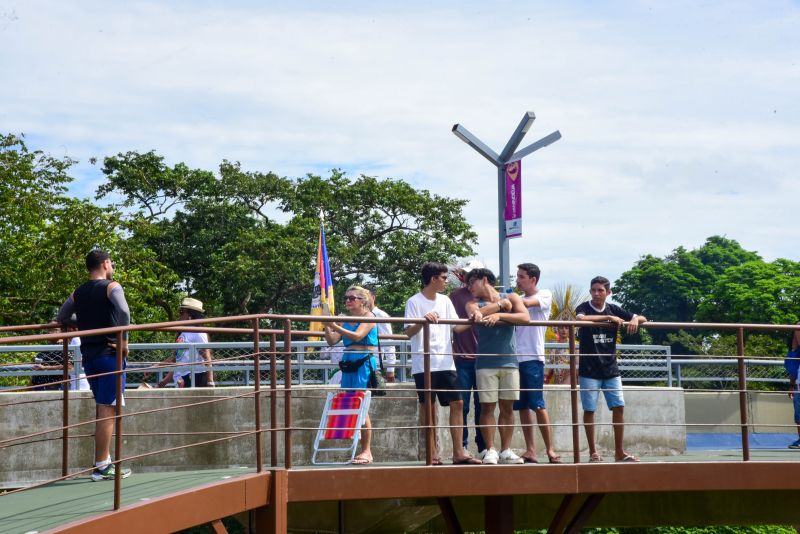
(530, 460)
(469, 460)
(595, 459)
(628, 458)
(437, 461)
(555, 459)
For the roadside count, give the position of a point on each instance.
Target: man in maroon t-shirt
(464, 347)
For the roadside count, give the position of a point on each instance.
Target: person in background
(387, 352)
(49, 361)
(197, 359)
(558, 357)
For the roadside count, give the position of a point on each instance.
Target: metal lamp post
(500, 161)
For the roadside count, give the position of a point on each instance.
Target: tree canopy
(241, 241)
(246, 242)
(45, 235)
(717, 282)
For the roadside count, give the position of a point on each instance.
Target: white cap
(472, 265)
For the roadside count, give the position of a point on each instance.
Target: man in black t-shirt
(597, 369)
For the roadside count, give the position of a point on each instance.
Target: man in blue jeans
(464, 346)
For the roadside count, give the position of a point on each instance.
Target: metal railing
(310, 364)
(286, 351)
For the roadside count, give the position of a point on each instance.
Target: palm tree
(566, 298)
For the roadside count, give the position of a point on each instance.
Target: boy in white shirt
(432, 305)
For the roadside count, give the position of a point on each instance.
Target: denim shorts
(590, 392)
(104, 387)
(531, 377)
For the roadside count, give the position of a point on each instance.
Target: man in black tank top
(100, 303)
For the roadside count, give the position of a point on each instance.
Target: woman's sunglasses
(350, 298)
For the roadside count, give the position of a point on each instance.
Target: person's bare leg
(618, 419)
(103, 431)
(543, 420)
(506, 421)
(457, 430)
(366, 438)
(422, 434)
(588, 425)
(488, 423)
(526, 421)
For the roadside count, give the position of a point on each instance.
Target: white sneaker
(509, 457)
(490, 457)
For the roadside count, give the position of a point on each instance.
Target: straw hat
(192, 304)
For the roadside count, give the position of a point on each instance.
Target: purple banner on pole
(513, 211)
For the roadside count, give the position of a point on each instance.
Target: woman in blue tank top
(360, 340)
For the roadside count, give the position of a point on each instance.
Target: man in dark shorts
(100, 303)
(432, 305)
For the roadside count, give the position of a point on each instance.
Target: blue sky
(680, 120)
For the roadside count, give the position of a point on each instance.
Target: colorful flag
(513, 211)
(322, 299)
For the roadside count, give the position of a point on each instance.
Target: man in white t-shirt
(530, 354)
(432, 305)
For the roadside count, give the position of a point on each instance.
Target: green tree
(45, 235)
(671, 289)
(246, 241)
(754, 292)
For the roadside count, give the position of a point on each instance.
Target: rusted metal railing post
(118, 423)
(742, 394)
(430, 442)
(287, 393)
(573, 396)
(257, 394)
(65, 409)
(273, 400)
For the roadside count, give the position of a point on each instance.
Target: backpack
(792, 362)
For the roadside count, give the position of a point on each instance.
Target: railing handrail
(287, 333)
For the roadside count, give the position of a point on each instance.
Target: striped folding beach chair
(342, 418)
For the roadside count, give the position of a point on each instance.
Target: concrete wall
(718, 412)
(647, 411)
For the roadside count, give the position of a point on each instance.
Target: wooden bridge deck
(169, 501)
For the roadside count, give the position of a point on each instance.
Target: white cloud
(679, 121)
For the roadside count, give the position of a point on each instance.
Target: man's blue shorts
(104, 387)
(590, 392)
(531, 377)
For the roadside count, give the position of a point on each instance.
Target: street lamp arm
(466, 136)
(516, 137)
(533, 147)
